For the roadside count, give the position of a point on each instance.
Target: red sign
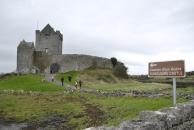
(167, 69)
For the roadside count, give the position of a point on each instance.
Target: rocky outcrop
(180, 117)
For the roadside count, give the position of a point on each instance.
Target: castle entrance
(54, 68)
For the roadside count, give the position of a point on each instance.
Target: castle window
(47, 36)
(46, 50)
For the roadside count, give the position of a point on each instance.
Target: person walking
(76, 84)
(69, 78)
(80, 84)
(62, 81)
(52, 78)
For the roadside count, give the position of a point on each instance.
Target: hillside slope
(30, 82)
(103, 79)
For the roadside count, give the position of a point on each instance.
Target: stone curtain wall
(69, 62)
(175, 118)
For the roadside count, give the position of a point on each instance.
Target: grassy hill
(80, 110)
(27, 83)
(101, 79)
(90, 76)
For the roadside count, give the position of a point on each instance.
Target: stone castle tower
(25, 56)
(46, 56)
(49, 41)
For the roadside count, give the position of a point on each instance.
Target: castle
(46, 55)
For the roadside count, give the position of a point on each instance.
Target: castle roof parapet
(23, 43)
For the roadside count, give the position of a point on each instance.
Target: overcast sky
(134, 31)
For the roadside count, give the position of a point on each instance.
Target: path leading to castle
(117, 93)
(48, 78)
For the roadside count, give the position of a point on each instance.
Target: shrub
(120, 71)
(113, 61)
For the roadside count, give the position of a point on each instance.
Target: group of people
(77, 83)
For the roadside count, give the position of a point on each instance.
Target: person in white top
(52, 78)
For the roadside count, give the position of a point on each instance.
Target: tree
(113, 61)
(120, 71)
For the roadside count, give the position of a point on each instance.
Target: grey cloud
(8, 60)
(99, 27)
(7, 55)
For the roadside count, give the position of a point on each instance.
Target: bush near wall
(120, 71)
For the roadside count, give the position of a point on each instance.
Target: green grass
(189, 90)
(102, 79)
(125, 108)
(163, 79)
(89, 75)
(96, 79)
(97, 76)
(187, 78)
(28, 83)
(33, 108)
(73, 106)
(130, 85)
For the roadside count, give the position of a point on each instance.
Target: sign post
(172, 69)
(174, 91)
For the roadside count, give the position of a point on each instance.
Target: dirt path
(48, 78)
(96, 116)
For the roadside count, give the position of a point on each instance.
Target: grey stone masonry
(70, 62)
(25, 56)
(180, 117)
(49, 40)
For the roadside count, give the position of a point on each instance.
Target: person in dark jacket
(69, 78)
(80, 84)
(62, 81)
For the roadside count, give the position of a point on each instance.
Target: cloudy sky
(134, 31)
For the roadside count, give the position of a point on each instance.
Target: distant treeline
(190, 73)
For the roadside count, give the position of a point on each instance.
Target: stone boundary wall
(180, 117)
